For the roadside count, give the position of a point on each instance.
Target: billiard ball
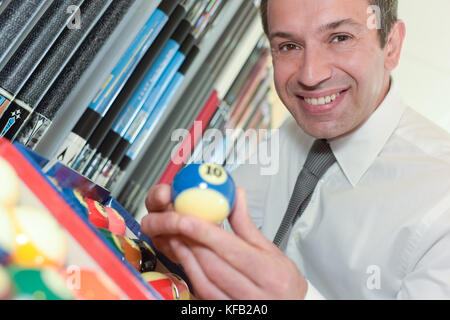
(128, 249)
(90, 284)
(203, 190)
(97, 214)
(76, 201)
(38, 284)
(5, 285)
(7, 233)
(116, 224)
(113, 240)
(168, 285)
(132, 252)
(181, 286)
(39, 239)
(9, 184)
(149, 260)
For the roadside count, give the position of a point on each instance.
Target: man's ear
(394, 45)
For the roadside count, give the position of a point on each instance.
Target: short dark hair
(388, 10)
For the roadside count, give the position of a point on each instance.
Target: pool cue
(129, 113)
(15, 20)
(127, 139)
(30, 53)
(81, 60)
(137, 146)
(250, 110)
(201, 86)
(74, 149)
(184, 120)
(49, 69)
(133, 191)
(115, 82)
(139, 87)
(116, 150)
(231, 97)
(123, 156)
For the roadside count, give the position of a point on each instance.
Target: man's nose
(315, 67)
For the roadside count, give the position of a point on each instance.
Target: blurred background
(423, 75)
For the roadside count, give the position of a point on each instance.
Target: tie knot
(320, 158)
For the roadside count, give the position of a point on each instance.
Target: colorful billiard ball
(76, 201)
(149, 259)
(38, 284)
(204, 190)
(181, 285)
(39, 239)
(97, 214)
(90, 284)
(5, 285)
(127, 248)
(116, 223)
(132, 252)
(168, 285)
(113, 240)
(7, 232)
(9, 184)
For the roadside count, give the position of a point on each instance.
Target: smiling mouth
(322, 100)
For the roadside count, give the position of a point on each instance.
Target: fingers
(243, 225)
(227, 245)
(159, 198)
(165, 223)
(203, 287)
(241, 252)
(223, 276)
(235, 251)
(162, 244)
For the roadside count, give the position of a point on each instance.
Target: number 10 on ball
(204, 190)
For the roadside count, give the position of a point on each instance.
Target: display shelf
(208, 46)
(92, 79)
(154, 161)
(86, 246)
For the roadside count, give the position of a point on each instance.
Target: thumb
(242, 224)
(158, 198)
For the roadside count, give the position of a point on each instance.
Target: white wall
(423, 75)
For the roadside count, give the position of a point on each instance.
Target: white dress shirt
(378, 223)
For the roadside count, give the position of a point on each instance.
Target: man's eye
(341, 38)
(289, 47)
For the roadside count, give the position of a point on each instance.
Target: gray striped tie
(320, 158)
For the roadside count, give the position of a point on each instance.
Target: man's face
(328, 65)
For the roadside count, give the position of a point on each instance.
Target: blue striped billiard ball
(204, 190)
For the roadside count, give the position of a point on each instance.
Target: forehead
(311, 15)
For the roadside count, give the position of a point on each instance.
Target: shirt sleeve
(428, 274)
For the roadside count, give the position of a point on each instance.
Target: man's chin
(322, 130)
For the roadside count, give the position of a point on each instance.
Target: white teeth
(322, 100)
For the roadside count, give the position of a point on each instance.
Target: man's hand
(222, 265)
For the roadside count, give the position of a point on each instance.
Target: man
(377, 225)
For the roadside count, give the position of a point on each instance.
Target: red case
(128, 282)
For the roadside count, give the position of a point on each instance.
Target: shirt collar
(356, 152)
